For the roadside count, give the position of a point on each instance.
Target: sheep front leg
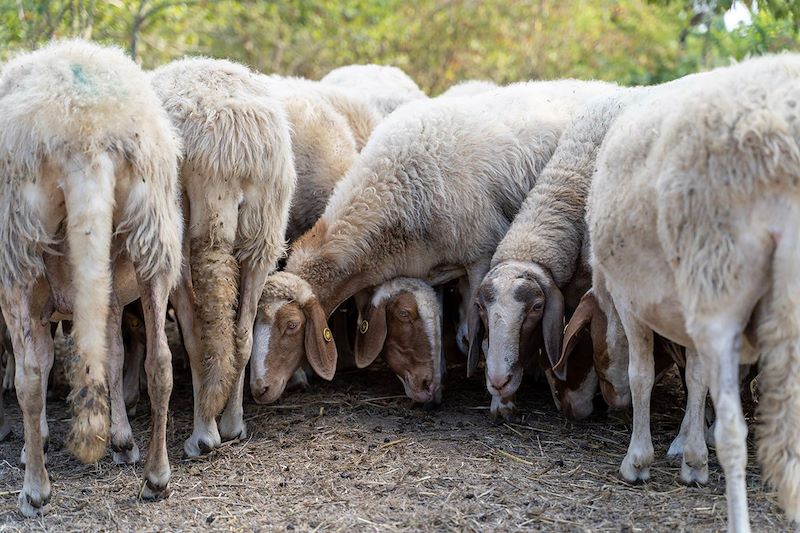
(641, 374)
(719, 343)
(30, 339)
(253, 276)
(690, 442)
(158, 367)
(205, 435)
(125, 449)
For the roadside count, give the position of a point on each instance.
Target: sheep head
(291, 327)
(402, 320)
(518, 308)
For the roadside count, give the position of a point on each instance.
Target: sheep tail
(779, 378)
(89, 200)
(215, 277)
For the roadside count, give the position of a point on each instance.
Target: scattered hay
(354, 455)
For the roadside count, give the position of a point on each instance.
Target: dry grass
(353, 455)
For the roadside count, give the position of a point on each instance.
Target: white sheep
(430, 196)
(326, 123)
(89, 171)
(238, 177)
(468, 88)
(540, 270)
(386, 87)
(693, 217)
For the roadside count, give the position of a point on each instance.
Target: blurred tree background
(438, 42)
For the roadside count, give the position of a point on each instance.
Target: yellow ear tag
(363, 327)
(327, 335)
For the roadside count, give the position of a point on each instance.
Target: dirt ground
(355, 455)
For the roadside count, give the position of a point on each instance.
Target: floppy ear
(553, 319)
(475, 330)
(371, 334)
(320, 348)
(581, 319)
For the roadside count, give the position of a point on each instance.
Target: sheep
(402, 320)
(540, 270)
(468, 88)
(325, 146)
(354, 106)
(692, 216)
(89, 165)
(429, 197)
(385, 87)
(238, 177)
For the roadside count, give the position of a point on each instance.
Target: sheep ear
(581, 319)
(476, 331)
(320, 348)
(553, 319)
(371, 334)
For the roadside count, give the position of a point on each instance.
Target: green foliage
(438, 42)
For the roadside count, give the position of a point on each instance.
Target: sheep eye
(291, 325)
(537, 306)
(403, 313)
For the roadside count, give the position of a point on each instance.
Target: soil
(356, 455)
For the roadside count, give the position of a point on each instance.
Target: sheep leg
(135, 347)
(641, 374)
(134, 360)
(31, 340)
(8, 376)
(47, 355)
(253, 276)
(718, 341)
(158, 367)
(205, 435)
(122, 443)
(690, 442)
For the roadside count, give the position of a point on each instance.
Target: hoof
(237, 431)
(130, 410)
(197, 447)
(33, 505)
(154, 491)
(127, 456)
(676, 448)
(694, 475)
(5, 431)
(635, 469)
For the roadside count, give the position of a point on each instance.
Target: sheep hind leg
(252, 279)
(158, 367)
(205, 435)
(690, 442)
(125, 449)
(718, 341)
(47, 354)
(30, 341)
(641, 374)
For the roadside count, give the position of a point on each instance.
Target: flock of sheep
(659, 224)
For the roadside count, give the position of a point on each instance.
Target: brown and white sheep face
(403, 321)
(290, 328)
(583, 363)
(512, 301)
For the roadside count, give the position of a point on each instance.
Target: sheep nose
(260, 392)
(499, 383)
